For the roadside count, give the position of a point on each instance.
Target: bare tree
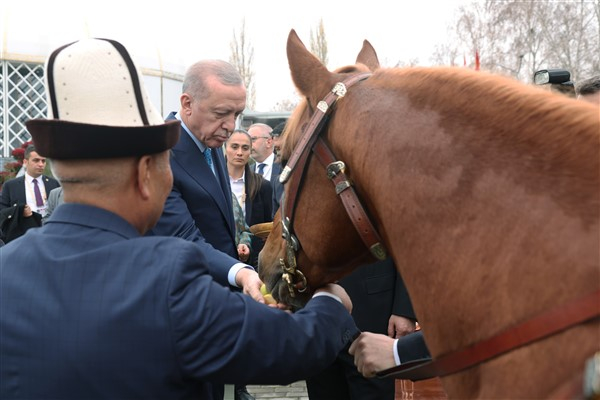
(242, 57)
(286, 104)
(517, 38)
(318, 43)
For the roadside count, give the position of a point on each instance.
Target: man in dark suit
(199, 207)
(100, 311)
(277, 167)
(381, 305)
(30, 189)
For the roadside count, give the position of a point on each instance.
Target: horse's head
(305, 248)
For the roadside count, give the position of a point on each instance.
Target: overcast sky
(175, 33)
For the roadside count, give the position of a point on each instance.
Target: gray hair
(194, 82)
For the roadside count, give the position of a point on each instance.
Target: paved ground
(295, 391)
(405, 390)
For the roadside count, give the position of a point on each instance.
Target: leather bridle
(293, 174)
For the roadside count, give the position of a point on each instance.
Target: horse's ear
(309, 75)
(368, 56)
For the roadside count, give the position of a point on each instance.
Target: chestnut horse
(483, 190)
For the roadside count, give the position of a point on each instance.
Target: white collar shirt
(239, 190)
(268, 166)
(30, 194)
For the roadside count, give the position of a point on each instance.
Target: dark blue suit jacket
(377, 291)
(199, 207)
(96, 311)
(258, 210)
(277, 187)
(13, 190)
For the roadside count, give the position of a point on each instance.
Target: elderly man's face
(212, 118)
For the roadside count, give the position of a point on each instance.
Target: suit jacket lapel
(20, 195)
(248, 203)
(191, 159)
(221, 169)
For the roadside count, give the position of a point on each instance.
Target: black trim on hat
(134, 79)
(50, 78)
(65, 140)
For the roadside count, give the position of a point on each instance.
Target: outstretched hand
(248, 280)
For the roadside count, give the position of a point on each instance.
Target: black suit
(412, 347)
(377, 292)
(277, 186)
(13, 196)
(258, 210)
(13, 190)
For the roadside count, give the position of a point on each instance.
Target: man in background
(29, 193)
(262, 149)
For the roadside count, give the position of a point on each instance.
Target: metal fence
(22, 98)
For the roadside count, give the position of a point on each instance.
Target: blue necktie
(261, 168)
(209, 161)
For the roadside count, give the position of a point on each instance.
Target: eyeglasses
(255, 138)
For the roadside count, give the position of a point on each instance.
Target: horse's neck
(464, 226)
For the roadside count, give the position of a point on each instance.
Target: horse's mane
(524, 118)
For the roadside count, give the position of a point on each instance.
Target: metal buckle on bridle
(333, 170)
(294, 278)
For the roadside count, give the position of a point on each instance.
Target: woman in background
(253, 193)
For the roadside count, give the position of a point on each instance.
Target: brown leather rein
(294, 172)
(549, 323)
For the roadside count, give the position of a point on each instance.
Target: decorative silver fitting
(285, 234)
(341, 186)
(339, 89)
(335, 168)
(285, 174)
(322, 106)
(378, 251)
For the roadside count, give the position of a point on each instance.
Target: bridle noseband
(293, 174)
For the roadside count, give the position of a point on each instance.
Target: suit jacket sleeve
(177, 221)
(412, 347)
(402, 304)
(259, 351)
(7, 199)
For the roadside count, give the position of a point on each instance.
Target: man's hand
(27, 211)
(248, 280)
(399, 326)
(373, 352)
(243, 252)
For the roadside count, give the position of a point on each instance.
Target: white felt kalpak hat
(98, 106)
